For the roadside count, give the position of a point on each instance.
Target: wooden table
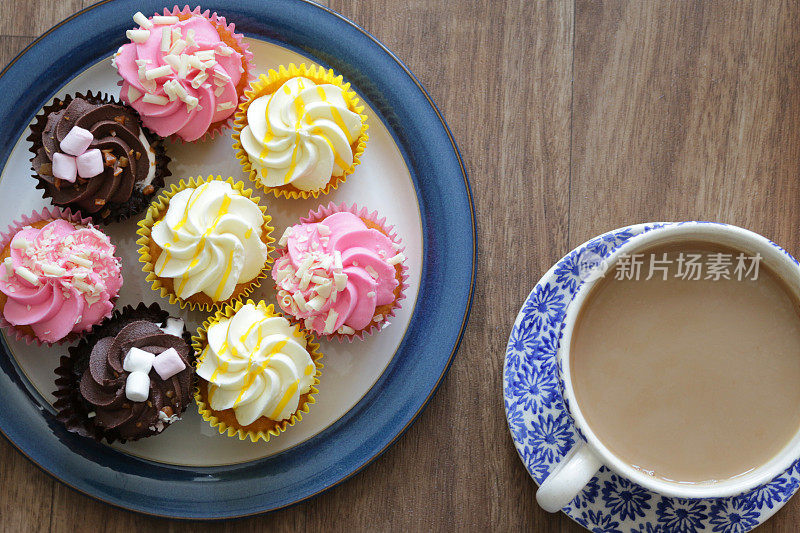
(573, 118)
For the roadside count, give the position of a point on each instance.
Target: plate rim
(467, 305)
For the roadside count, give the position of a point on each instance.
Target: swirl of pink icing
(59, 279)
(333, 274)
(184, 99)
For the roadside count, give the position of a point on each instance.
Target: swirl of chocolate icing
(103, 382)
(128, 159)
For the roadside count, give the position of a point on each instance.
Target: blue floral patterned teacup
(578, 467)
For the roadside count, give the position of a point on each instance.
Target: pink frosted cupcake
(59, 276)
(184, 72)
(341, 271)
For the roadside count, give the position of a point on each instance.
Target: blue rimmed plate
(371, 391)
(543, 432)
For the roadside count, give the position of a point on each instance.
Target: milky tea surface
(689, 379)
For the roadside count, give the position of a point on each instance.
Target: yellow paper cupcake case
(268, 84)
(159, 207)
(199, 342)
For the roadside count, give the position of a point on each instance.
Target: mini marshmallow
(90, 163)
(137, 386)
(168, 363)
(64, 167)
(173, 326)
(76, 141)
(137, 360)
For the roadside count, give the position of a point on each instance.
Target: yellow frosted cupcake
(205, 243)
(257, 372)
(300, 132)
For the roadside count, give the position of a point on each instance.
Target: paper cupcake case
(136, 204)
(159, 208)
(46, 214)
(323, 212)
(71, 409)
(199, 343)
(231, 38)
(269, 83)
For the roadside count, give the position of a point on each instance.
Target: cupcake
(132, 377)
(91, 154)
(341, 271)
(300, 131)
(184, 72)
(59, 276)
(257, 372)
(205, 243)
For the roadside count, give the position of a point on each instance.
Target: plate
(371, 391)
(543, 431)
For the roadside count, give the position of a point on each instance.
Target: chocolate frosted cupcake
(93, 155)
(130, 378)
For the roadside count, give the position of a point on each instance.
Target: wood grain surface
(573, 118)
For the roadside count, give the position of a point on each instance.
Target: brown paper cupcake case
(138, 201)
(71, 409)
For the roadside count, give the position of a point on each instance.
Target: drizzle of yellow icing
(195, 196)
(248, 233)
(337, 118)
(251, 376)
(243, 338)
(286, 397)
(228, 268)
(293, 164)
(336, 159)
(268, 136)
(223, 367)
(164, 264)
(310, 369)
(223, 209)
(299, 107)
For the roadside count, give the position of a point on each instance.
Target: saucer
(543, 431)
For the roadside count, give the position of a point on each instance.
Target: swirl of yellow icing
(211, 240)
(300, 135)
(256, 365)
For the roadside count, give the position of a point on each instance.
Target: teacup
(589, 454)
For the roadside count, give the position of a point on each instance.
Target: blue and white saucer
(543, 432)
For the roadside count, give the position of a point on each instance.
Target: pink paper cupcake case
(217, 20)
(362, 212)
(48, 213)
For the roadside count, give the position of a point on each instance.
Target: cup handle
(568, 478)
